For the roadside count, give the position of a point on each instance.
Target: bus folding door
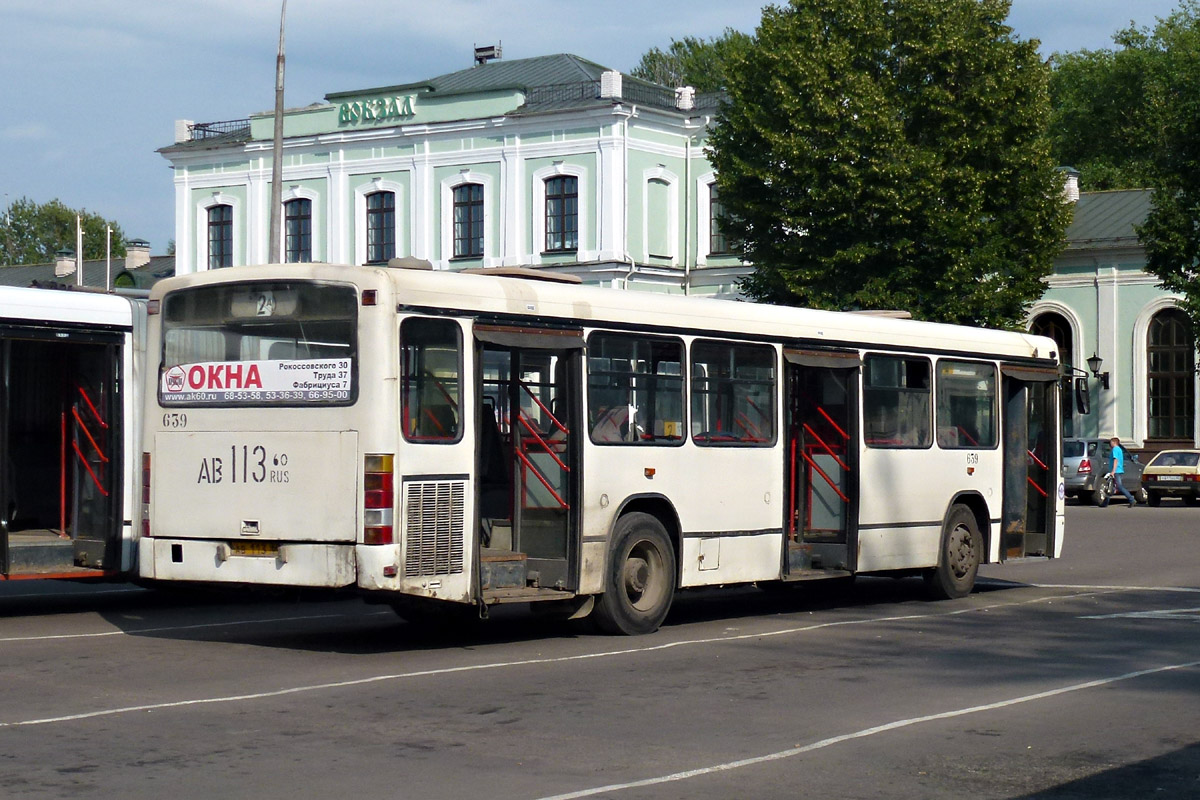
(60, 432)
(1031, 442)
(530, 390)
(822, 461)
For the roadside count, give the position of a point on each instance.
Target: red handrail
(828, 479)
(538, 474)
(827, 448)
(542, 406)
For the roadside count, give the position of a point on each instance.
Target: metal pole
(78, 251)
(108, 259)
(277, 149)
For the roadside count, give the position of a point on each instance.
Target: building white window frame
(704, 220)
(446, 221)
(318, 242)
(1075, 357)
(202, 209)
(360, 215)
(661, 173)
(538, 185)
(1141, 377)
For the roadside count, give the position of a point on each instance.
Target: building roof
(557, 82)
(499, 75)
(94, 273)
(1108, 219)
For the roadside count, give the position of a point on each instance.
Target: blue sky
(91, 88)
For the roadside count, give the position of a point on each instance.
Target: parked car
(1173, 473)
(1085, 463)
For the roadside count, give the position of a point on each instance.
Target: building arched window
(1171, 376)
(381, 227)
(297, 218)
(1056, 327)
(220, 236)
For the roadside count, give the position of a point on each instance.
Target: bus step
(39, 551)
(502, 569)
(526, 594)
(816, 574)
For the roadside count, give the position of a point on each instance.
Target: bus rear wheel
(958, 560)
(640, 583)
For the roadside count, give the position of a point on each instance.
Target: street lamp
(1094, 364)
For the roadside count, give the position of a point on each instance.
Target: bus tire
(640, 583)
(958, 558)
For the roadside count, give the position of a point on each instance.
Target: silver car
(1085, 463)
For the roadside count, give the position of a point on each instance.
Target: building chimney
(137, 253)
(610, 85)
(183, 130)
(685, 98)
(64, 263)
(1070, 184)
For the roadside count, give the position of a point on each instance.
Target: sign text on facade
(376, 109)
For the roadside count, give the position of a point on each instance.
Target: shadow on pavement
(1171, 775)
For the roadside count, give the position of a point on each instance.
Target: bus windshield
(270, 343)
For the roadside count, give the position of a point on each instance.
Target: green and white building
(554, 163)
(1101, 303)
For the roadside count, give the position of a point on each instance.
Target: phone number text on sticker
(257, 381)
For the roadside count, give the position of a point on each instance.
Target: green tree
(1171, 233)
(31, 233)
(699, 63)
(891, 154)
(1102, 122)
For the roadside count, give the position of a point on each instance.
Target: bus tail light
(145, 494)
(379, 497)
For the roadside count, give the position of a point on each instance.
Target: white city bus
(70, 432)
(437, 438)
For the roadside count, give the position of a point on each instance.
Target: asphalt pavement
(1075, 678)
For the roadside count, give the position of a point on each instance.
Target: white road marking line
(891, 726)
(171, 628)
(1159, 613)
(1181, 589)
(504, 664)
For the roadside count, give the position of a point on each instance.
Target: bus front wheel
(958, 560)
(640, 582)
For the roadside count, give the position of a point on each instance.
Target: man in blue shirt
(1118, 469)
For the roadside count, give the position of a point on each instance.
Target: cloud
(26, 132)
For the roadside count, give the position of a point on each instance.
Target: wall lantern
(1094, 364)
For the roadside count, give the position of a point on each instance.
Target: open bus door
(822, 463)
(1031, 442)
(60, 434)
(529, 457)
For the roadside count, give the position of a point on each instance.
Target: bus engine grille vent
(433, 523)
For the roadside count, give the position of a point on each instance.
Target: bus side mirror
(1083, 399)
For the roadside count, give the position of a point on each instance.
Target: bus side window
(430, 392)
(896, 402)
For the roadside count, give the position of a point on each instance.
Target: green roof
(499, 75)
(1107, 219)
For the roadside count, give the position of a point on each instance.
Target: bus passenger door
(60, 435)
(822, 462)
(1031, 442)
(529, 457)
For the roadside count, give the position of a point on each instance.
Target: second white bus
(445, 440)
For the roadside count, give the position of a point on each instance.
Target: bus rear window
(279, 343)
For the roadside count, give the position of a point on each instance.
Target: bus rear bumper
(213, 561)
